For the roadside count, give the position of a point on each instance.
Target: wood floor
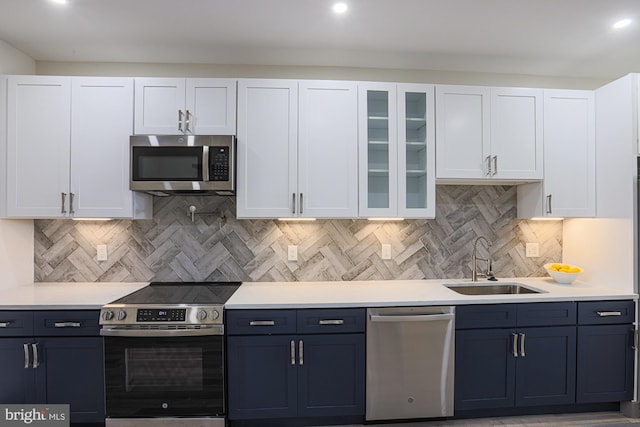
(592, 419)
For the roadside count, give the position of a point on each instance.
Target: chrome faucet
(488, 273)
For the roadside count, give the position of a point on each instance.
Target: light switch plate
(102, 253)
(292, 253)
(386, 251)
(532, 250)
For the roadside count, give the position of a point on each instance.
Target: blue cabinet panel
(257, 322)
(606, 312)
(486, 316)
(16, 323)
(605, 363)
(17, 383)
(325, 321)
(546, 314)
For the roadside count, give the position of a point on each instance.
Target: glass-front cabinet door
(397, 149)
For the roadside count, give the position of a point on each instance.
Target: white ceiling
(541, 37)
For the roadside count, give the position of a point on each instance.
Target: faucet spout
(488, 273)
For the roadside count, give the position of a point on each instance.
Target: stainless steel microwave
(183, 164)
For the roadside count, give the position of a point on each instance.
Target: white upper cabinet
(67, 148)
(174, 106)
(488, 133)
(297, 149)
(569, 186)
(328, 149)
(397, 150)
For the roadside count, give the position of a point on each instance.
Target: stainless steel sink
(505, 288)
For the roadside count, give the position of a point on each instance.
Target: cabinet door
(416, 152)
(267, 149)
(485, 369)
(159, 106)
(516, 133)
(331, 375)
(378, 156)
(101, 120)
(569, 146)
(18, 383)
(38, 146)
(605, 363)
(262, 376)
(328, 150)
(462, 132)
(210, 106)
(546, 366)
(71, 371)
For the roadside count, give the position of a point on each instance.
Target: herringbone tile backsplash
(221, 248)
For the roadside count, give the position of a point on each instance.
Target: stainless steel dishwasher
(410, 356)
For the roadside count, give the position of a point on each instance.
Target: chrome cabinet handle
(635, 340)
(301, 204)
(522, 345)
(71, 196)
(488, 160)
(26, 355)
(549, 210)
(67, 324)
(4, 324)
(331, 322)
(187, 122)
(64, 199)
(180, 120)
(34, 346)
(294, 204)
(515, 345)
(301, 352)
(293, 353)
(495, 165)
(608, 313)
(262, 323)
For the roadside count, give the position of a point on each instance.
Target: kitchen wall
(16, 236)
(217, 246)
(312, 72)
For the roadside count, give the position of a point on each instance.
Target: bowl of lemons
(563, 273)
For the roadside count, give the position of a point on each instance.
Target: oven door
(164, 376)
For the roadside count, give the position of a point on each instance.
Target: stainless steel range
(164, 355)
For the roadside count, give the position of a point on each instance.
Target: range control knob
(107, 315)
(201, 315)
(122, 314)
(215, 314)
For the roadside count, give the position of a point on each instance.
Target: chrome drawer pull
(67, 324)
(608, 313)
(301, 351)
(522, 345)
(35, 355)
(515, 345)
(293, 353)
(262, 323)
(4, 324)
(488, 160)
(331, 322)
(26, 355)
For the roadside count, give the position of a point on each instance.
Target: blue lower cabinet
(605, 363)
(55, 368)
(316, 373)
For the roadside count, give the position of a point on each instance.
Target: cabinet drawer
(547, 314)
(320, 321)
(259, 322)
(485, 316)
(606, 312)
(67, 323)
(16, 323)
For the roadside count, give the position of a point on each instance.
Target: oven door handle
(115, 332)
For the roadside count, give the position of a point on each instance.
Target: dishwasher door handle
(411, 317)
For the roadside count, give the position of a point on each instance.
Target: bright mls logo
(34, 415)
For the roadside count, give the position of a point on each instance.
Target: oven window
(167, 163)
(175, 369)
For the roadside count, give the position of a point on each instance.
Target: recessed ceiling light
(340, 7)
(59, 1)
(622, 23)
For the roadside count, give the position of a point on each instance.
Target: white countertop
(263, 295)
(65, 296)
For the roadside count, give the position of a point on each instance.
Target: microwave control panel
(219, 161)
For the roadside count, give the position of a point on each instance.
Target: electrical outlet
(102, 253)
(386, 251)
(292, 253)
(532, 250)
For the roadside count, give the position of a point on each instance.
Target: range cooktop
(182, 293)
